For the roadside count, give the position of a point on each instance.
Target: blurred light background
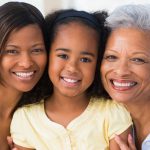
(46, 6)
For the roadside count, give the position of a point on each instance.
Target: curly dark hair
(44, 87)
(96, 89)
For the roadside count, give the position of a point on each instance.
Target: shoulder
(110, 108)
(29, 109)
(114, 116)
(106, 104)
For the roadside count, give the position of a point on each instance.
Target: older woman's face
(125, 67)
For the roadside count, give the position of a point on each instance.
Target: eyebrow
(135, 53)
(83, 52)
(112, 50)
(10, 45)
(62, 49)
(16, 46)
(87, 53)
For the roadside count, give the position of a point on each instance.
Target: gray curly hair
(128, 16)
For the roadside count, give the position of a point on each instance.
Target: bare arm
(13, 146)
(21, 148)
(123, 137)
(125, 146)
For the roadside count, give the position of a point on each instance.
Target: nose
(25, 61)
(123, 68)
(71, 66)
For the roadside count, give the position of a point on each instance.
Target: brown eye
(63, 56)
(37, 50)
(10, 52)
(85, 60)
(138, 61)
(110, 58)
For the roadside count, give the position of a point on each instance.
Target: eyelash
(12, 52)
(37, 50)
(84, 59)
(139, 61)
(110, 58)
(63, 56)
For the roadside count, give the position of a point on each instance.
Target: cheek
(106, 67)
(90, 72)
(145, 76)
(41, 62)
(54, 67)
(103, 69)
(6, 64)
(7, 61)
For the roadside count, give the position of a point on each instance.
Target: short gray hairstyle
(128, 16)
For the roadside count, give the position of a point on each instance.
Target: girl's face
(73, 57)
(126, 65)
(23, 59)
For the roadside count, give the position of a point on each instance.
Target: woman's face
(125, 67)
(23, 59)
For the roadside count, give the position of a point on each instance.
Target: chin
(120, 99)
(25, 89)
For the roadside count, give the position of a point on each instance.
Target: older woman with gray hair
(125, 69)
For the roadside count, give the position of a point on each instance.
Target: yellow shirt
(92, 130)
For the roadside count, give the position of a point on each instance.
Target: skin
(71, 69)
(73, 56)
(126, 62)
(123, 145)
(22, 64)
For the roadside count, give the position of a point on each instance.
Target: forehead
(76, 31)
(79, 24)
(130, 38)
(76, 38)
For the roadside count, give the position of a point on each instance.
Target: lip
(122, 85)
(71, 77)
(70, 81)
(24, 75)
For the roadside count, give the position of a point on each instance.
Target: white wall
(46, 6)
(108, 5)
(37, 3)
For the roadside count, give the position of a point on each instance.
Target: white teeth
(70, 80)
(24, 74)
(123, 84)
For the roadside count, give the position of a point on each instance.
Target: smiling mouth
(70, 82)
(24, 75)
(122, 85)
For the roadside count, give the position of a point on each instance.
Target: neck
(64, 103)
(140, 113)
(8, 101)
(63, 109)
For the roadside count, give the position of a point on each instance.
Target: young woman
(23, 57)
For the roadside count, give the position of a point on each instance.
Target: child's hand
(10, 143)
(123, 145)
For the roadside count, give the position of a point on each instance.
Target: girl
(72, 118)
(22, 59)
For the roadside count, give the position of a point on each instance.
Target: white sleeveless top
(146, 143)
